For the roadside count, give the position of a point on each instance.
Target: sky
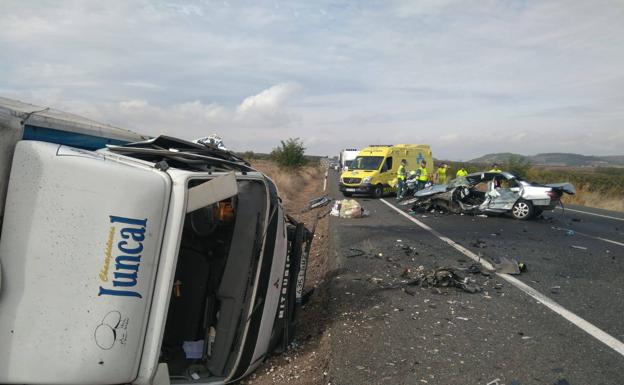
(466, 77)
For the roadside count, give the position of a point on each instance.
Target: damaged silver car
(491, 193)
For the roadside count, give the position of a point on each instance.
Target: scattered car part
(318, 202)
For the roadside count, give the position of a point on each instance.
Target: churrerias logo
(127, 257)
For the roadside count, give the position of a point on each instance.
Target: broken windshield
(459, 181)
(366, 163)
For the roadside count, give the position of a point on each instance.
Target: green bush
(248, 155)
(290, 153)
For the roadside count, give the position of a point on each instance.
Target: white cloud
(465, 76)
(250, 125)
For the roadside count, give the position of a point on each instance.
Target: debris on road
(353, 252)
(476, 268)
(479, 243)
(317, 202)
(444, 277)
(508, 266)
(408, 250)
(555, 289)
(348, 208)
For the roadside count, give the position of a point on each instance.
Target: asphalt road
(401, 335)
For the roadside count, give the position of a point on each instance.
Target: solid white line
(325, 181)
(587, 327)
(605, 240)
(588, 213)
(447, 240)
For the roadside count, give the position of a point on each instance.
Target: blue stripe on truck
(74, 139)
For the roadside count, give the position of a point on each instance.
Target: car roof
(488, 175)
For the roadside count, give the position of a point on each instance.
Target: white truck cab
(154, 262)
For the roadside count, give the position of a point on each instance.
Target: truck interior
(214, 277)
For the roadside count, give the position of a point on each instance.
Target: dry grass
(601, 188)
(585, 197)
(290, 183)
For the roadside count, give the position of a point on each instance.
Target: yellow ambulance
(374, 171)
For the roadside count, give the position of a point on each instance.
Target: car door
(503, 197)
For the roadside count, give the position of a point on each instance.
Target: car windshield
(459, 181)
(366, 163)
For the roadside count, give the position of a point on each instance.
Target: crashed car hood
(565, 187)
(435, 189)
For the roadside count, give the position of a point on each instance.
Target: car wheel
(347, 194)
(522, 210)
(378, 191)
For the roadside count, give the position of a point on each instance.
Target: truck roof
(44, 118)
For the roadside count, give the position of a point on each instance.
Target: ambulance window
(387, 165)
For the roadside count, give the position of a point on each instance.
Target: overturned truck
(127, 259)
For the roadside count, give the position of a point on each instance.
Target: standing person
(462, 171)
(496, 181)
(423, 176)
(441, 173)
(401, 176)
(495, 168)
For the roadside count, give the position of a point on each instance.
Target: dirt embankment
(306, 360)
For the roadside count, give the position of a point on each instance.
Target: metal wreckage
(491, 193)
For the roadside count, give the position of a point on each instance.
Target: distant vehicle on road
(493, 193)
(374, 170)
(346, 157)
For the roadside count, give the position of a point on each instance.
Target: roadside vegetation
(595, 187)
(290, 153)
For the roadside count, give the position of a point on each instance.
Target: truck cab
(346, 158)
(152, 262)
(374, 170)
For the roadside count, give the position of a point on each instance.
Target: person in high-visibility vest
(441, 173)
(496, 181)
(423, 176)
(461, 172)
(495, 168)
(401, 176)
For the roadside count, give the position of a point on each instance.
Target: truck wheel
(378, 191)
(347, 194)
(522, 210)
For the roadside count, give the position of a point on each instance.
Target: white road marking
(587, 327)
(591, 236)
(325, 181)
(588, 213)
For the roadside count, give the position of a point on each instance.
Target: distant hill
(555, 159)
